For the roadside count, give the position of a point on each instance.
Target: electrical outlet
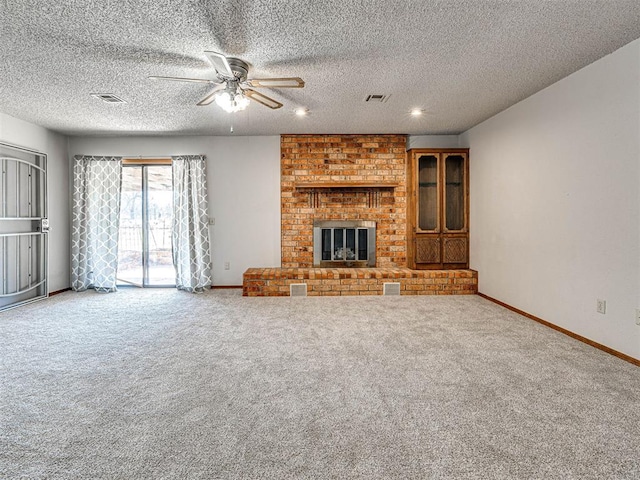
(637, 316)
(227, 265)
(212, 221)
(602, 306)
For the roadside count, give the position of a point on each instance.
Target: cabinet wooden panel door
(454, 250)
(438, 224)
(428, 249)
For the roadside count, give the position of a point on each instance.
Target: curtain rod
(142, 157)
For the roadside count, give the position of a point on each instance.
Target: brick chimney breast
(343, 177)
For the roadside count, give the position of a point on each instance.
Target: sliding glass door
(144, 249)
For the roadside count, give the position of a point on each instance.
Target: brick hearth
(259, 282)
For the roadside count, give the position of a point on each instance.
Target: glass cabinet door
(428, 193)
(454, 193)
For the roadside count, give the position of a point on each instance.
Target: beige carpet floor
(161, 384)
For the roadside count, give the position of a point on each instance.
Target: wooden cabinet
(438, 208)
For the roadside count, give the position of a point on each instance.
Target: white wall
(555, 202)
(433, 141)
(23, 134)
(243, 176)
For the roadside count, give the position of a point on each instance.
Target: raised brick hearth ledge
(263, 282)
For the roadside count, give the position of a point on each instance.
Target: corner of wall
(551, 181)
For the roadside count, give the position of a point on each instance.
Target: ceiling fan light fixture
(231, 89)
(232, 100)
(302, 112)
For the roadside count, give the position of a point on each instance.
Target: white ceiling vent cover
(376, 98)
(108, 97)
(298, 290)
(391, 288)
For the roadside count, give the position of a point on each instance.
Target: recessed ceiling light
(416, 112)
(301, 112)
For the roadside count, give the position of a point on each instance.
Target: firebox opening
(344, 243)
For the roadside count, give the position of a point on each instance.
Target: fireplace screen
(344, 243)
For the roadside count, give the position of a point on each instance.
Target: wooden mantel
(345, 184)
(373, 188)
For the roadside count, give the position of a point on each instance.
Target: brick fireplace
(343, 185)
(343, 178)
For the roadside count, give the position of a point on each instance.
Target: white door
(23, 226)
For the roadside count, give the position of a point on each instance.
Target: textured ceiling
(461, 61)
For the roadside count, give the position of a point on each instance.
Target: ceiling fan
(233, 90)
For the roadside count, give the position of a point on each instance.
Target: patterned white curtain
(97, 183)
(190, 235)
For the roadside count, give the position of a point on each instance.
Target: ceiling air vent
(378, 98)
(108, 97)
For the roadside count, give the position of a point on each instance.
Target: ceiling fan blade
(263, 99)
(181, 79)
(290, 82)
(210, 96)
(221, 64)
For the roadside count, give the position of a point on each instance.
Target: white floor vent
(391, 288)
(298, 290)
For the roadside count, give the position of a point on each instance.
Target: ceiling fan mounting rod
(239, 68)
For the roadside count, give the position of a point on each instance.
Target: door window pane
(428, 192)
(130, 233)
(338, 244)
(159, 217)
(454, 192)
(326, 244)
(363, 246)
(350, 250)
